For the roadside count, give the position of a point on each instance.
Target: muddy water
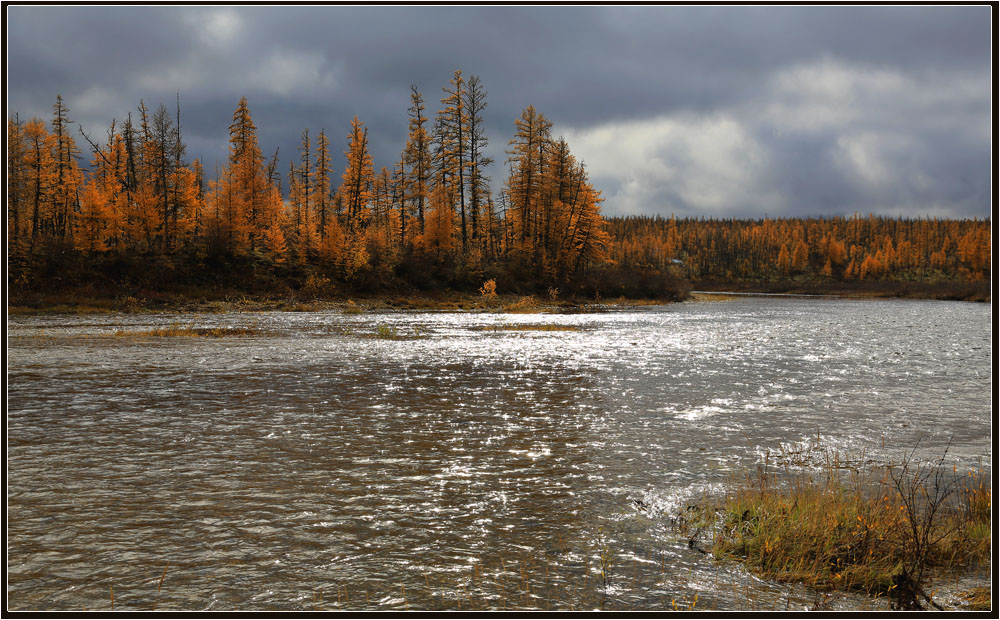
(444, 460)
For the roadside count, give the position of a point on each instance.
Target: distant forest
(837, 248)
(142, 214)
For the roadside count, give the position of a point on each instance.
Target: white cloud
(277, 71)
(284, 72)
(686, 164)
(219, 28)
(871, 130)
(876, 160)
(830, 95)
(181, 76)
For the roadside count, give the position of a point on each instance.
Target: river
(439, 460)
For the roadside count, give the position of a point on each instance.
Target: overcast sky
(714, 111)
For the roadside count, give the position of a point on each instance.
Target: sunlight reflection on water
(321, 464)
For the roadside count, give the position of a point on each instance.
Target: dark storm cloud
(700, 110)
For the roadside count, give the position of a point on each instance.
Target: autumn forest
(131, 208)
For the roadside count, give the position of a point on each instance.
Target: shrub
(318, 286)
(489, 292)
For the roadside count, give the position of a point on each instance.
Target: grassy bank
(882, 530)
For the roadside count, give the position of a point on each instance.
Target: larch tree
(437, 240)
(800, 255)
(356, 195)
(98, 226)
(300, 193)
(159, 156)
(356, 182)
(451, 149)
(784, 259)
(185, 197)
(526, 158)
(417, 162)
(247, 202)
(479, 190)
(38, 177)
(382, 248)
(17, 184)
(67, 176)
(322, 175)
(591, 238)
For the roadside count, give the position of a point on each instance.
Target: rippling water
(316, 465)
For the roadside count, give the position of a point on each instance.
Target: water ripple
(317, 465)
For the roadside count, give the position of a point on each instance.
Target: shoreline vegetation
(91, 299)
(843, 523)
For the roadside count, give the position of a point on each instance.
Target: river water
(419, 460)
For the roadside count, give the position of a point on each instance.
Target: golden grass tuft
(713, 297)
(874, 530)
(524, 304)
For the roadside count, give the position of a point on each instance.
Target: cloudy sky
(714, 111)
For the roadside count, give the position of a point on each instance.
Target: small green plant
(386, 332)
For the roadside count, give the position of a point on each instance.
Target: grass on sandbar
(176, 331)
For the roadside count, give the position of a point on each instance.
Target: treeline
(855, 248)
(142, 214)
(431, 218)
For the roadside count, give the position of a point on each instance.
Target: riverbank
(975, 290)
(236, 301)
(320, 296)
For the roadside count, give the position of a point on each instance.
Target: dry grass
(352, 308)
(978, 599)
(876, 529)
(524, 304)
(713, 297)
(176, 331)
